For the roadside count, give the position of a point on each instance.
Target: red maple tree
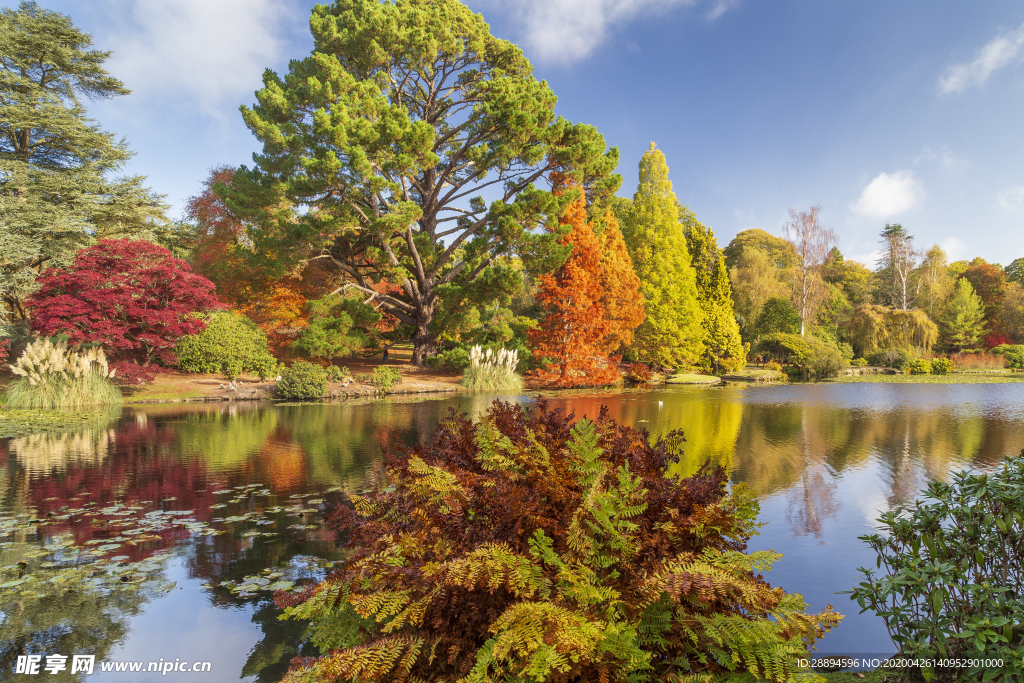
(570, 336)
(131, 296)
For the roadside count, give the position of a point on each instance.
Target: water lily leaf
(12, 584)
(280, 586)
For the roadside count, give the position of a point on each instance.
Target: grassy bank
(956, 378)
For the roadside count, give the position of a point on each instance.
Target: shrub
(335, 374)
(921, 367)
(900, 359)
(492, 371)
(302, 381)
(384, 378)
(529, 548)
(979, 361)
(51, 376)
(130, 373)
(230, 343)
(859, 362)
(825, 360)
(639, 373)
(953, 586)
(773, 366)
(133, 297)
(455, 360)
(5, 347)
(1013, 355)
(784, 348)
(942, 366)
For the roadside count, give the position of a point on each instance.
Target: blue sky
(878, 111)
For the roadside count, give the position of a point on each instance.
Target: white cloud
(890, 194)
(570, 30)
(955, 248)
(942, 157)
(1001, 51)
(206, 52)
(1011, 200)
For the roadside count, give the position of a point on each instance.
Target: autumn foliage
(527, 547)
(592, 303)
(133, 297)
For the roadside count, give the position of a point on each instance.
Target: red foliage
(130, 373)
(995, 339)
(133, 297)
(571, 335)
(5, 347)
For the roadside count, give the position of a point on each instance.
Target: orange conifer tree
(623, 300)
(571, 336)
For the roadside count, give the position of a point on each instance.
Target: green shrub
(825, 360)
(921, 367)
(859, 362)
(1013, 353)
(773, 366)
(489, 371)
(455, 360)
(900, 359)
(953, 587)
(232, 368)
(302, 381)
(52, 377)
(535, 549)
(784, 348)
(384, 378)
(228, 339)
(942, 366)
(336, 374)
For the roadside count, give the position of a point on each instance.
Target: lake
(162, 533)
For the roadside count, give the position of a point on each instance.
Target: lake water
(174, 500)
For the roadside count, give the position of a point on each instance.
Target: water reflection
(824, 460)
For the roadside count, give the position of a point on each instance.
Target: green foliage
(230, 343)
(529, 548)
(900, 359)
(388, 177)
(1013, 353)
(784, 347)
(859, 362)
(338, 326)
(921, 366)
(302, 381)
(384, 378)
(963, 322)
(50, 376)
(1015, 271)
(56, 190)
(335, 374)
(778, 315)
(942, 366)
(456, 359)
(825, 360)
(872, 327)
(953, 587)
(672, 332)
(782, 252)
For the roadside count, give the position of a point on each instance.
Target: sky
(879, 112)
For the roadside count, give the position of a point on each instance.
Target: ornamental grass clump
(489, 371)
(52, 376)
(527, 547)
(952, 592)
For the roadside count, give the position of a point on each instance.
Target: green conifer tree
(56, 193)
(723, 348)
(672, 334)
(964, 320)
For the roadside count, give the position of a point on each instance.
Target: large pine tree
(56, 190)
(571, 336)
(672, 334)
(723, 348)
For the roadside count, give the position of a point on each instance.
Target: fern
(528, 548)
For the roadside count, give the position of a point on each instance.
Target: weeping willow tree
(877, 327)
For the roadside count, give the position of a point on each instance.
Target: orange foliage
(573, 334)
(277, 305)
(623, 300)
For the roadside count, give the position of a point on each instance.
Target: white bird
(278, 378)
(660, 403)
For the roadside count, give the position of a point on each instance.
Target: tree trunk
(424, 340)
